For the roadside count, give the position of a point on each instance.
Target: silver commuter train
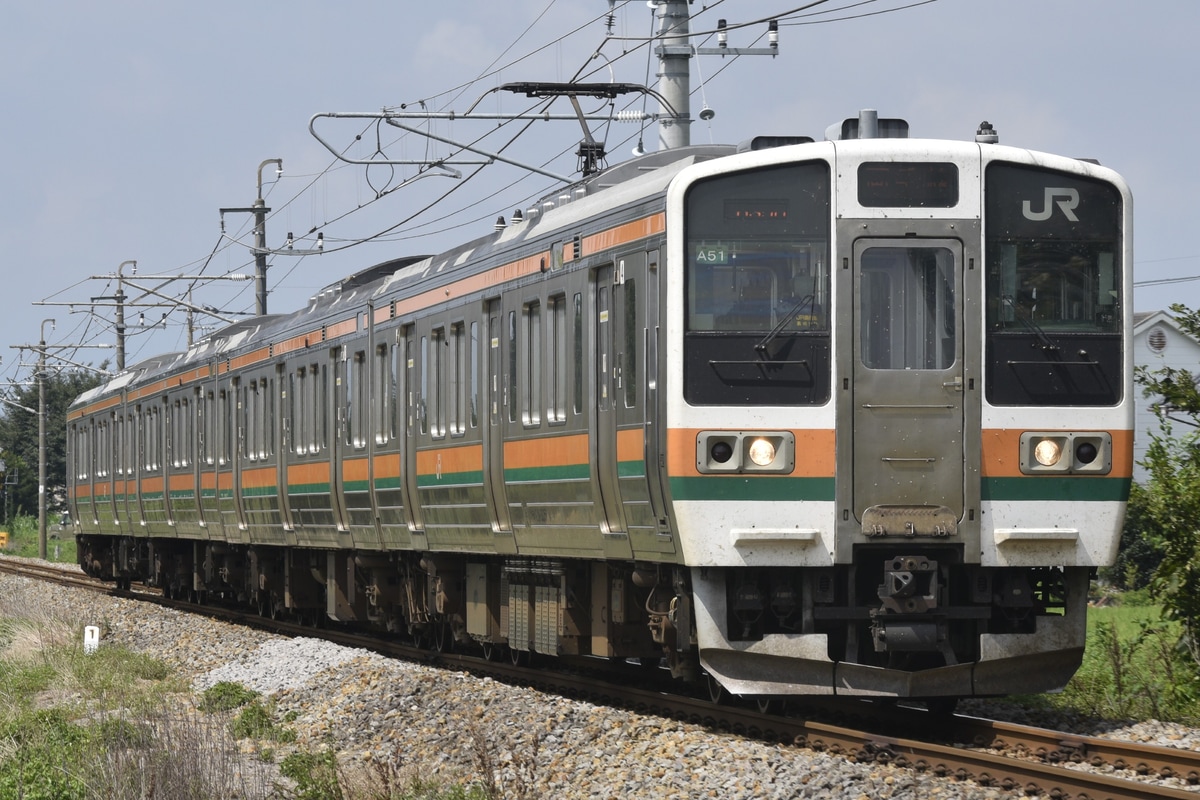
(848, 417)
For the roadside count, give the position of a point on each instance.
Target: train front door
(908, 407)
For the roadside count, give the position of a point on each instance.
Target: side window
(577, 352)
(631, 346)
(531, 388)
(383, 397)
(436, 406)
(249, 420)
(357, 424)
(456, 393)
(224, 425)
(318, 376)
(118, 424)
(556, 359)
(473, 379)
(511, 398)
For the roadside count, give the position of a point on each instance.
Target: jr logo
(1069, 199)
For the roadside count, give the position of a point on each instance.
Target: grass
(1134, 667)
(23, 539)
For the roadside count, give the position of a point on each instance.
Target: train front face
(899, 413)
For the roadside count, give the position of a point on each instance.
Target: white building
(1158, 342)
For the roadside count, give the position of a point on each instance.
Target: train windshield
(758, 251)
(1054, 287)
(1053, 250)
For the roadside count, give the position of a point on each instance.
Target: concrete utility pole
(260, 240)
(674, 75)
(674, 68)
(119, 300)
(40, 376)
(41, 383)
(259, 210)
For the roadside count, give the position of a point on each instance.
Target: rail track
(1017, 758)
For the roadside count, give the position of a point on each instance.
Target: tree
(19, 436)
(1138, 556)
(1173, 490)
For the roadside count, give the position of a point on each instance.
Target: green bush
(41, 747)
(256, 722)
(226, 696)
(315, 775)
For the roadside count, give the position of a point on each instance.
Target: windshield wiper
(761, 347)
(1027, 321)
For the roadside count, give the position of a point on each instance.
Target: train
(846, 417)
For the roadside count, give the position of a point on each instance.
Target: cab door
(908, 409)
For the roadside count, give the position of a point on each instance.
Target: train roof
(620, 186)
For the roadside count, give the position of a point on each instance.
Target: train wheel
(419, 638)
(768, 704)
(443, 640)
(716, 692)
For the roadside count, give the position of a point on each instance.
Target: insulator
(629, 116)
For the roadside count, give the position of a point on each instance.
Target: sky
(129, 125)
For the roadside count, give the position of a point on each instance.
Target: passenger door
(908, 409)
(607, 382)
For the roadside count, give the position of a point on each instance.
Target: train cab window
(756, 286)
(757, 247)
(1053, 288)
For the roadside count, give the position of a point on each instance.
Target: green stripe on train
(468, 478)
(1043, 487)
(570, 472)
(751, 487)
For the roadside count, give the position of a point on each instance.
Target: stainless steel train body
(845, 417)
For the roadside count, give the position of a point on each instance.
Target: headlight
(1047, 452)
(743, 452)
(762, 452)
(1066, 453)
